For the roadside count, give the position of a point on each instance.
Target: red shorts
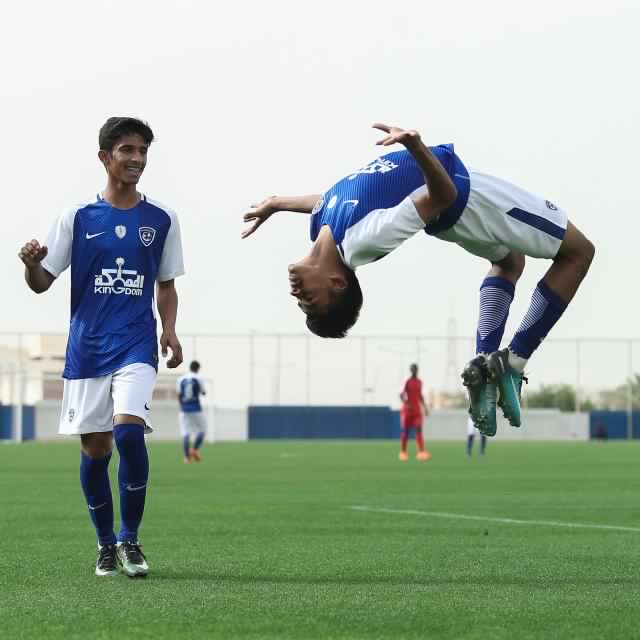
(410, 417)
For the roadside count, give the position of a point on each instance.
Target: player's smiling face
(127, 160)
(311, 285)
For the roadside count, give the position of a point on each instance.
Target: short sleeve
(59, 243)
(380, 232)
(171, 262)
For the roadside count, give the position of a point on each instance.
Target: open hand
(410, 138)
(169, 340)
(32, 254)
(260, 213)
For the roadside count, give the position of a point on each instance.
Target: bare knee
(510, 267)
(125, 418)
(97, 445)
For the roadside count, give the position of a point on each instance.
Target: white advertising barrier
(224, 425)
(537, 424)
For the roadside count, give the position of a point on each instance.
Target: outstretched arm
(38, 278)
(441, 192)
(261, 212)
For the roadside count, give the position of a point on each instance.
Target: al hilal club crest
(147, 235)
(121, 231)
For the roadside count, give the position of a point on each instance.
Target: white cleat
(132, 560)
(107, 562)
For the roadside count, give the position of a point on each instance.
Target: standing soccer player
(373, 210)
(414, 410)
(192, 421)
(120, 246)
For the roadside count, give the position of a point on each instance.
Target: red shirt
(413, 391)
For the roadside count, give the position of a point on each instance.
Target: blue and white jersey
(362, 209)
(189, 388)
(116, 256)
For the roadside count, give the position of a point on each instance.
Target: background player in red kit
(413, 411)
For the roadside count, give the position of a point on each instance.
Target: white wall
(537, 424)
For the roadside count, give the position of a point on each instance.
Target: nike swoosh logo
(93, 235)
(98, 507)
(132, 488)
(353, 202)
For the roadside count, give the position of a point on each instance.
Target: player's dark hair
(114, 129)
(344, 309)
(194, 366)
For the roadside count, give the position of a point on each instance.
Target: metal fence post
(630, 391)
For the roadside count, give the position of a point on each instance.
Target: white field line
(462, 516)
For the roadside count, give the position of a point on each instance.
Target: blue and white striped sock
(544, 311)
(496, 295)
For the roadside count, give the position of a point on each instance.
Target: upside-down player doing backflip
(373, 210)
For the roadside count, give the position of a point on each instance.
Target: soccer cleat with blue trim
(509, 383)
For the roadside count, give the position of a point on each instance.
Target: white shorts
(89, 404)
(192, 423)
(500, 218)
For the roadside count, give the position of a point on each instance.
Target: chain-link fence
(289, 369)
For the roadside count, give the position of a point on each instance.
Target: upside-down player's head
(124, 143)
(331, 298)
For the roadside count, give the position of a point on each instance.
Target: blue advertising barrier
(612, 425)
(323, 422)
(28, 422)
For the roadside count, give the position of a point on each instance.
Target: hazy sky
(248, 99)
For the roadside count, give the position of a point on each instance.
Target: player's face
(127, 160)
(311, 285)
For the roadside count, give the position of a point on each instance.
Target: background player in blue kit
(372, 211)
(192, 421)
(118, 244)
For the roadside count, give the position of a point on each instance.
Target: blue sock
(185, 446)
(199, 440)
(469, 443)
(483, 444)
(94, 478)
(496, 295)
(133, 473)
(544, 311)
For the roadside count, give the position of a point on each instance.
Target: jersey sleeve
(380, 232)
(59, 243)
(171, 262)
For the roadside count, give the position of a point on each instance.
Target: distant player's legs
(470, 438)
(496, 294)
(197, 443)
(550, 298)
(422, 453)
(186, 446)
(404, 438)
(483, 443)
(94, 478)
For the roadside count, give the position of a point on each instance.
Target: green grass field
(260, 541)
